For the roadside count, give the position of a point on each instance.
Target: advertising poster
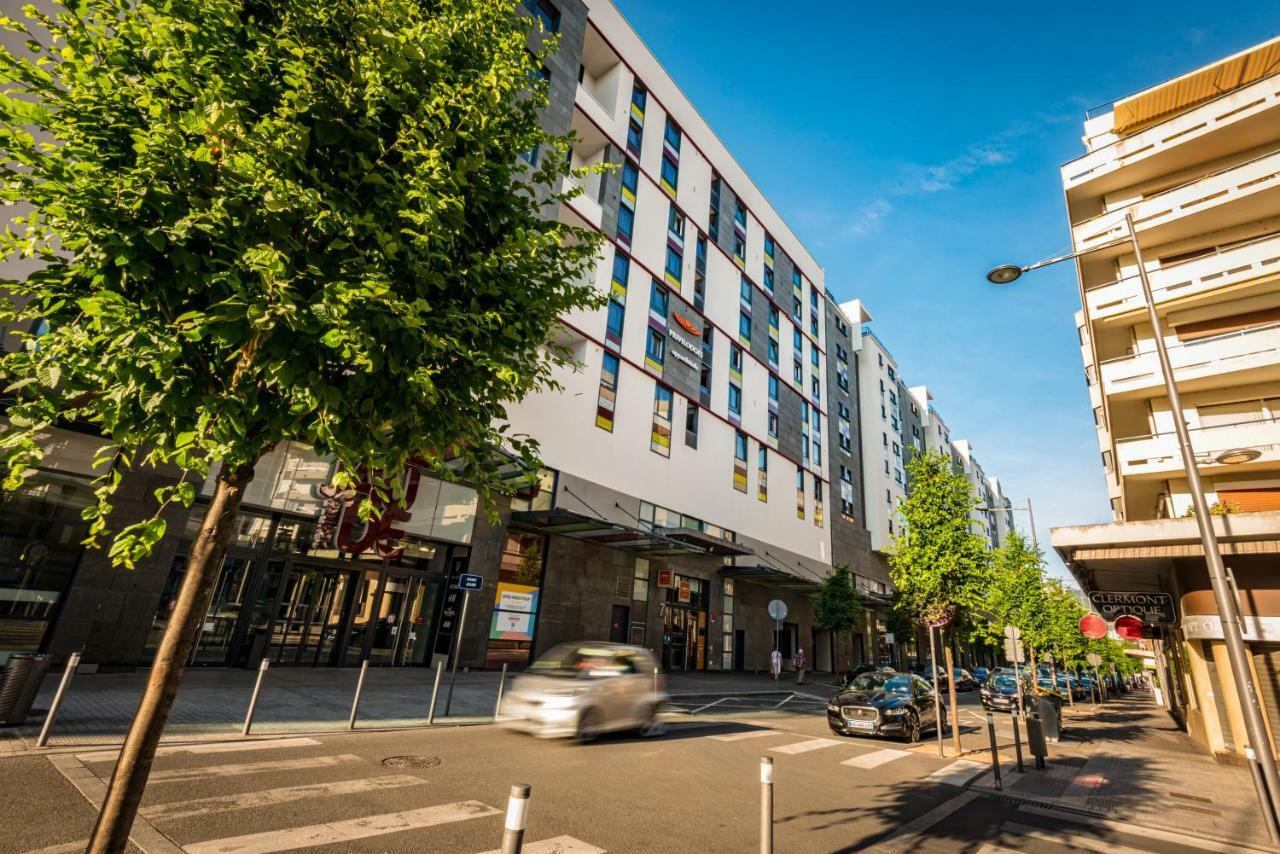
(513, 610)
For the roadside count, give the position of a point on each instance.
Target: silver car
(580, 690)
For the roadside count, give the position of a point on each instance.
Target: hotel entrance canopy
(659, 542)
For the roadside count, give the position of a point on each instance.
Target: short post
(655, 680)
(435, 689)
(766, 805)
(457, 652)
(1017, 740)
(995, 751)
(355, 702)
(502, 683)
(253, 701)
(517, 813)
(72, 663)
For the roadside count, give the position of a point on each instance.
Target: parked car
(964, 679)
(980, 674)
(1000, 692)
(926, 673)
(855, 672)
(884, 704)
(584, 689)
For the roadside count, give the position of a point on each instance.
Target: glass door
(392, 627)
(214, 642)
(308, 616)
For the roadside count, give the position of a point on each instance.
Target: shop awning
(709, 544)
(1146, 108)
(591, 529)
(770, 576)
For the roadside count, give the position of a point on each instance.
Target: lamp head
(1004, 274)
(1236, 456)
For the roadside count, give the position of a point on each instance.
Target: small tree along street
(939, 566)
(262, 222)
(837, 606)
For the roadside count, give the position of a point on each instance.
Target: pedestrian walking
(798, 661)
(775, 664)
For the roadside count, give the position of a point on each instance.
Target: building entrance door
(309, 615)
(684, 638)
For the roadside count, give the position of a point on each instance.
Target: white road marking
(958, 773)
(176, 774)
(996, 849)
(1140, 830)
(712, 703)
(210, 747)
(739, 736)
(64, 848)
(557, 845)
(876, 758)
(271, 797)
(806, 745)
(293, 838)
(1071, 840)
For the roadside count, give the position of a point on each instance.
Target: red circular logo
(1093, 626)
(1129, 628)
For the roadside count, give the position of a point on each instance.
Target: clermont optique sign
(1149, 607)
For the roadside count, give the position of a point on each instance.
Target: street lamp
(1236, 456)
(1228, 607)
(1030, 516)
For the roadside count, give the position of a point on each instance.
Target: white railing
(1217, 355)
(1160, 452)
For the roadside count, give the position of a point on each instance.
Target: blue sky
(914, 146)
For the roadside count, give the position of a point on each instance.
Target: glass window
(739, 213)
(675, 263)
(768, 280)
(545, 13)
(658, 299)
(640, 581)
(740, 447)
(735, 357)
(655, 347)
(744, 327)
(638, 98)
(745, 289)
(671, 134)
(773, 388)
(621, 268)
(735, 399)
(768, 244)
(626, 222)
(670, 172)
(630, 176)
(739, 247)
(616, 315)
(773, 425)
(634, 136)
(773, 352)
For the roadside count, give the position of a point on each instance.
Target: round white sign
(778, 609)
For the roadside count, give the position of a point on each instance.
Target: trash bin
(19, 683)
(1049, 708)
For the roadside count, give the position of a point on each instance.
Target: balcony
(1199, 364)
(1158, 456)
(1178, 142)
(1251, 189)
(1221, 269)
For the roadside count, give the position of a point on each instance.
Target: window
(762, 470)
(815, 388)
(655, 350)
(660, 438)
(675, 222)
(704, 382)
(842, 355)
(773, 352)
(670, 175)
(773, 425)
(795, 308)
(626, 222)
(739, 249)
(797, 341)
(795, 279)
(613, 327)
(735, 358)
(735, 400)
(744, 291)
(744, 328)
(813, 298)
(817, 451)
(797, 372)
(640, 581)
(635, 135)
(842, 377)
(691, 425)
(630, 180)
(608, 398)
(773, 388)
(799, 493)
(773, 316)
(713, 219)
(638, 99)
(621, 270)
(813, 325)
(846, 493)
(817, 502)
(768, 280)
(659, 297)
(671, 136)
(675, 266)
(739, 213)
(740, 447)
(545, 13)
(740, 462)
(813, 356)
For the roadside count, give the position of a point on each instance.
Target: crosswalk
(250, 809)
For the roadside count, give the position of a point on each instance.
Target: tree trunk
(133, 767)
(951, 696)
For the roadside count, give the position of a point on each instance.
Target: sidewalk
(212, 702)
(1127, 761)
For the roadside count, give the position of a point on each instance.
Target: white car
(580, 690)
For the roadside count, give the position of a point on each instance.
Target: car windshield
(1004, 682)
(570, 660)
(892, 684)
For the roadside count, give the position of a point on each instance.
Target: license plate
(861, 724)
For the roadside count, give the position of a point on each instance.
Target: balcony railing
(1217, 355)
(1160, 453)
(1195, 194)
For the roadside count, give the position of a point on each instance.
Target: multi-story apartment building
(884, 474)
(1194, 164)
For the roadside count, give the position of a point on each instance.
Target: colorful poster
(511, 625)
(516, 597)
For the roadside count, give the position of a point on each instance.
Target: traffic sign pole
(457, 652)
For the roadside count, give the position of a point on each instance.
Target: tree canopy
(837, 606)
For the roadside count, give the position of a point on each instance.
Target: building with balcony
(1194, 164)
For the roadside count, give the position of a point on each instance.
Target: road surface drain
(411, 761)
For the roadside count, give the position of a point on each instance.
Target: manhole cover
(411, 761)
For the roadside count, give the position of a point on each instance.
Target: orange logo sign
(688, 325)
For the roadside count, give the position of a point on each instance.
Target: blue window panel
(744, 327)
(545, 13)
(626, 222)
(675, 265)
(658, 300)
(735, 399)
(616, 316)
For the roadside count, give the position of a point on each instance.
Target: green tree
(1015, 593)
(939, 566)
(269, 221)
(837, 607)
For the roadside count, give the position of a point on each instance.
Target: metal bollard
(72, 663)
(355, 703)
(435, 689)
(502, 682)
(1017, 740)
(655, 680)
(766, 805)
(995, 752)
(517, 813)
(253, 701)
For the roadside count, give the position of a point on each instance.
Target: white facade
(883, 475)
(1199, 172)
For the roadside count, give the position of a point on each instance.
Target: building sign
(683, 367)
(666, 578)
(1209, 627)
(685, 595)
(1149, 607)
(515, 604)
(517, 597)
(508, 625)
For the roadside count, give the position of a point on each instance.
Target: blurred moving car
(889, 704)
(583, 689)
(980, 674)
(964, 679)
(1000, 692)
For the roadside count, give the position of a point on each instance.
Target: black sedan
(889, 704)
(1000, 693)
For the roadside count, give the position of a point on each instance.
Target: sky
(913, 146)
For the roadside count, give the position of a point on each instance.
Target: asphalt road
(695, 789)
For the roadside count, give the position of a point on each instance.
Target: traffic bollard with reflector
(253, 701)
(502, 683)
(995, 752)
(355, 702)
(766, 805)
(517, 814)
(435, 690)
(72, 663)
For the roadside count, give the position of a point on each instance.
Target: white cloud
(868, 218)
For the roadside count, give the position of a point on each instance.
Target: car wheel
(913, 728)
(588, 726)
(653, 727)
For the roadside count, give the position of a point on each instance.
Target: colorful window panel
(660, 437)
(817, 502)
(762, 473)
(638, 100)
(799, 493)
(670, 175)
(608, 398)
(740, 462)
(655, 350)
